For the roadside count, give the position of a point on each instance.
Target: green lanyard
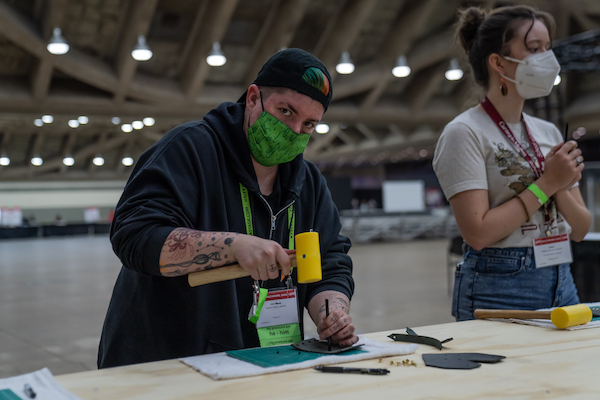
(248, 217)
(255, 314)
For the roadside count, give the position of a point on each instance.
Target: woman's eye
(285, 112)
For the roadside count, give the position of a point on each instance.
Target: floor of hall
(54, 293)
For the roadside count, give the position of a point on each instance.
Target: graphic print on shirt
(511, 163)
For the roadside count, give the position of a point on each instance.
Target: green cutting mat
(275, 356)
(7, 394)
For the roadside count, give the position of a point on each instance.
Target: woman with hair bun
(511, 181)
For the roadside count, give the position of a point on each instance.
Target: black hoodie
(190, 178)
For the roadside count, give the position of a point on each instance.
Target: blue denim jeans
(508, 279)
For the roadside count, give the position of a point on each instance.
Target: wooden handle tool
(562, 317)
(517, 314)
(226, 273)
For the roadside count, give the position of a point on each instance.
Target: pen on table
(566, 132)
(29, 391)
(327, 315)
(345, 370)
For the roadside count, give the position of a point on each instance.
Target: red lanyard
(495, 116)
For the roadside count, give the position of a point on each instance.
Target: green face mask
(272, 142)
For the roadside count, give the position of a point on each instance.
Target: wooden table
(540, 363)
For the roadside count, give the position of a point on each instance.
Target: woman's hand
(564, 164)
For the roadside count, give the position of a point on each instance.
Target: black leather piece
(459, 360)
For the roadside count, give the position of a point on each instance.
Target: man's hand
(338, 325)
(187, 250)
(262, 258)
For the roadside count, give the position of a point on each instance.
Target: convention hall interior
(86, 86)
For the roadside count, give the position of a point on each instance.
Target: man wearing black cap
(230, 188)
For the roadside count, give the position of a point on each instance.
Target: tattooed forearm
(200, 259)
(187, 250)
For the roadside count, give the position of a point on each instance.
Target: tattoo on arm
(177, 255)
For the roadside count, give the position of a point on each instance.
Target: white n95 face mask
(535, 74)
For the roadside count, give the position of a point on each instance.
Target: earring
(503, 88)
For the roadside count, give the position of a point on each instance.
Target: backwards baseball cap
(298, 70)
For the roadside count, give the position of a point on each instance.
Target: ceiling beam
(277, 32)
(140, 14)
(215, 23)
(424, 85)
(42, 72)
(80, 66)
(55, 163)
(347, 27)
(322, 141)
(407, 27)
(424, 53)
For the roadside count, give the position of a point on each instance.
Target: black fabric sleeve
(161, 195)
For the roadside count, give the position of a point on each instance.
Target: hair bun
(469, 21)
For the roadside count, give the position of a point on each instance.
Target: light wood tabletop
(540, 363)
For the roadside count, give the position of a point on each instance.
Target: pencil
(566, 132)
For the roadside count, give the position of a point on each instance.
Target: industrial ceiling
(375, 118)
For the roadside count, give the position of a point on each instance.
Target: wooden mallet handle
(223, 274)
(561, 317)
(518, 314)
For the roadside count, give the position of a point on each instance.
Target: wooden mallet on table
(561, 317)
(307, 260)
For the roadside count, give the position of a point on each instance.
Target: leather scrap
(412, 337)
(459, 360)
(318, 346)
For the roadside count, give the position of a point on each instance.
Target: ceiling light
(345, 65)
(73, 123)
(57, 43)
(37, 160)
(141, 51)
(47, 119)
(98, 161)
(216, 58)
(127, 161)
(83, 120)
(68, 161)
(4, 160)
(557, 80)
(148, 121)
(126, 128)
(137, 124)
(115, 120)
(322, 128)
(401, 70)
(454, 72)
(38, 122)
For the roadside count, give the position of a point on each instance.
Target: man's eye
(285, 111)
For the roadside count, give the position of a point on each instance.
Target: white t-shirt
(472, 153)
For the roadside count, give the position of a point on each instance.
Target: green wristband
(542, 198)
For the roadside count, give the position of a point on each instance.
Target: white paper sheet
(221, 366)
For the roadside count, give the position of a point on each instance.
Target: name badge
(280, 307)
(279, 321)
(552, 250)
